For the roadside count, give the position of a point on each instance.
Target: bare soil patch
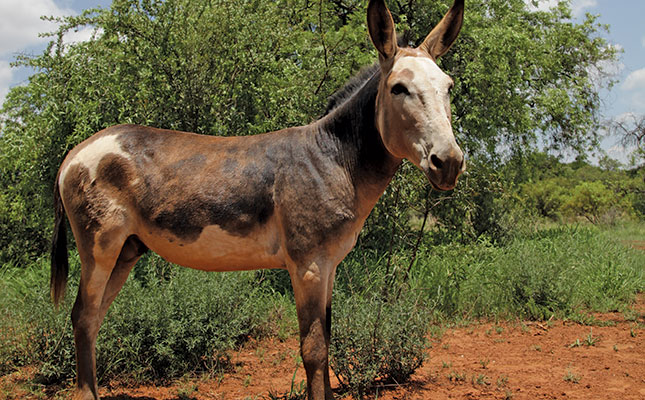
(506, 360)
(636, 244)
(531, 360)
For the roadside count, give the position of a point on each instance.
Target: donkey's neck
(350, 131)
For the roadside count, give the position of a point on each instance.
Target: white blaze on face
(429, 84)
(426, 108)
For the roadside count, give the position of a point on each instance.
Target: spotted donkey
(294, 199)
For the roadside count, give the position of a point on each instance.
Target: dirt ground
(510, 360)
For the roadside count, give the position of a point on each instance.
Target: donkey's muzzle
(444, 168)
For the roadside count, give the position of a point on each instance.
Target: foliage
(590, 199)
(379, 324)
(153, 333)
(231, 68)
(554, 271)
(546, 197)
(376, 340)
(30, 330)
(581, 190)
(482, 206)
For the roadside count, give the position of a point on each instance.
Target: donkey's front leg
(310, 287)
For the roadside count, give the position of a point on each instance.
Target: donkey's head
(413, 105)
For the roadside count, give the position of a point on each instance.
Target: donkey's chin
(441, 183)
(444, 187)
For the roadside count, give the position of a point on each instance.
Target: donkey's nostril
(436, 161)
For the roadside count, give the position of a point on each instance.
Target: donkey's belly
(217, 250)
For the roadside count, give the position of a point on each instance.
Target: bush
(482, 205)
(186, 324)
(375, 339)
(557, 271)
(153, 332)
(545, 197)
(590, 200)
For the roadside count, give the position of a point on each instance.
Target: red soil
(516, 360)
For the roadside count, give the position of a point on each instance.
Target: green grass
(154, 331)
(168, 321)
(562, 271)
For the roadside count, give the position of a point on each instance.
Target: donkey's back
(199, 201)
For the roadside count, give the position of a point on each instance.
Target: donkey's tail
(60, 264)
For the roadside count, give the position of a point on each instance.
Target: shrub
(590, 200)
(153, 332)
(557, 271)
(545, 197)
(376, 339)
(186, 324)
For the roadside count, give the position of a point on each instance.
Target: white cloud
(578, 6)
(543, 5)
(643, 41)
(20, 23)
(633, 90)
(635, 80)
(6, 77)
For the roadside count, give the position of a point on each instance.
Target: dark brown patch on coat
(183, 196)
(238, 201)
(86, 205)
(114, 170)
(237, 214)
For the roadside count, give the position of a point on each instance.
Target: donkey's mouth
(444, 179)
(443, 186)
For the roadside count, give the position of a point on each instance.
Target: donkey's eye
(399, 89)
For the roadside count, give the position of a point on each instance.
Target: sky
(20, 25)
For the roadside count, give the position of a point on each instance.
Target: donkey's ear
(381, 28)
(438, 42)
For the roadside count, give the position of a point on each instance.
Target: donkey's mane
(354, 85)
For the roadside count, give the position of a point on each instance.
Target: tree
(630, 128)
(243, 67)
(590, 200)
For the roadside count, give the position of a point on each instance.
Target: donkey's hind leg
(131, 251)
(101, 273)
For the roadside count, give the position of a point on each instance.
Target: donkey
(294, 199)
